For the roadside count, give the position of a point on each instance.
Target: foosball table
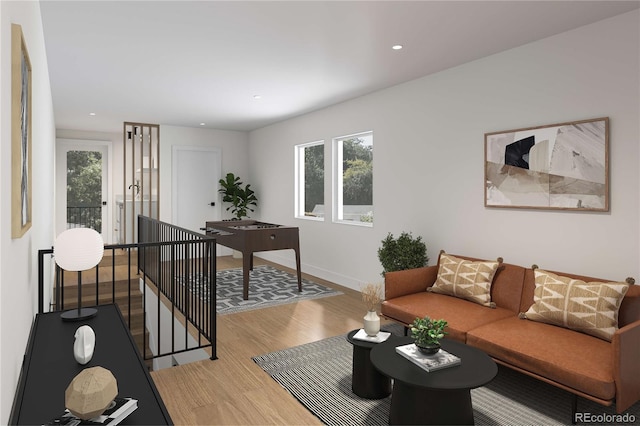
(249, 236)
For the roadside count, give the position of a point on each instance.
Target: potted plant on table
(427, 333)
(241, 199)
(372, 296)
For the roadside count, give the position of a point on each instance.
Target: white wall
(234, 147)
(429, 158)
(18, 258)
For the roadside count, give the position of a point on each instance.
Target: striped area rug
(268, 287)
(318, 374)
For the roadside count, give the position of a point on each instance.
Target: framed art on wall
(561, 166)
(20, 134)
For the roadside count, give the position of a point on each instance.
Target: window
(353, 179)
(310, 180)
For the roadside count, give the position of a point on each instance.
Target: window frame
(299, 181)
(337, 180)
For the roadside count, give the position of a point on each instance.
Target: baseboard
(289, 262)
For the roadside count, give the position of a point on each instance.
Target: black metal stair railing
(179, 268)
(184, 272)
(85, 217)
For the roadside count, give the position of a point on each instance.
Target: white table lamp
(78, 249)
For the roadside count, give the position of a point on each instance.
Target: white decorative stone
(84, 344)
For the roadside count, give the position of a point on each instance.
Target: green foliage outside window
(84, 189)
(358, 183)
(357, 175)
(357, 169)
(313, 177)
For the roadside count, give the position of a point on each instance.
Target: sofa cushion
(506, 290)
(466, 279)
(590, 308)
(552, 352)
(461, 314)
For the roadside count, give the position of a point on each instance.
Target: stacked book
(441, 359)
(119, 409)
(378, 338)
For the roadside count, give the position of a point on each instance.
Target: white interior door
(82, 186)
(195, 199)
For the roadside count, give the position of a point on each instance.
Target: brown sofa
(587, 366)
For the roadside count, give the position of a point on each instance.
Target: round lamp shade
(78, 249)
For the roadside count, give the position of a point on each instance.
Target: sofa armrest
(409, 281)
(626, 368)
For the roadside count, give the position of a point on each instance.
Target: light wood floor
(233, 389)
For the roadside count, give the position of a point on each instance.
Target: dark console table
(249, 236)
(49, 367)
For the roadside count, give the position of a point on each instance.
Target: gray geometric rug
(318, 374)
(268, 287)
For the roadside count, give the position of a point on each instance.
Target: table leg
(415, 405)
(246, 267)
(366, 380)
(297, 250)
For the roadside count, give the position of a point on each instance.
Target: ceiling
(185, 63)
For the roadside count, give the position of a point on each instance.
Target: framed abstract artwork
(561, 166)
(20, 134)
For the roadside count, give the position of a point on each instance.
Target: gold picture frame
(561, 166)
(21, 152)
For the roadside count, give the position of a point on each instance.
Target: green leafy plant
(427, 332)
(241, 199)
(404, 252)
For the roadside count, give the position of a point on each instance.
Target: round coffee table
(366, 380)
(437, 397)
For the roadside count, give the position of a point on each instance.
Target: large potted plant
(427, 333)
(404, 252)
(241, 198)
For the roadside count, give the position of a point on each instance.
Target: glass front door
(82, 186)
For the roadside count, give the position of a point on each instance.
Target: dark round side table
(367, 381)
(437, 397)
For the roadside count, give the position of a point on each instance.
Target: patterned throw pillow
(591, 308)
(465, 279)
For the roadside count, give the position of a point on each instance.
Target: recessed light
(257, 97)
(202, 124)
(397, 47)
(92, 114)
